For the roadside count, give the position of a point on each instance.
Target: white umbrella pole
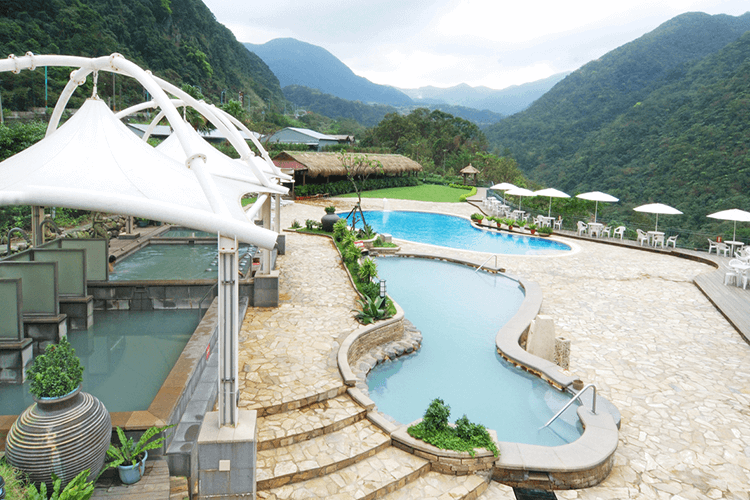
(734, 233)
(657, 223)
(549, 210)
(520, 201)
(596, 210)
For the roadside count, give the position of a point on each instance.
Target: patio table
(595, 228)
(546, 221)
(652, 237)
(733, 244)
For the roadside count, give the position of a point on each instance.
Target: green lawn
(425, 192)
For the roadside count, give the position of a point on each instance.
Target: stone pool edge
(580, 464)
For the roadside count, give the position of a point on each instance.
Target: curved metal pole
(577, 396)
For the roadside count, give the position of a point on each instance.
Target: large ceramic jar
(64, 436)
(328, 221)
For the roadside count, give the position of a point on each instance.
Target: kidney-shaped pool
(459, 312)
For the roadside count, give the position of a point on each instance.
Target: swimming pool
(176, 262)
(457, 232)
(126, 355)
(459, 313)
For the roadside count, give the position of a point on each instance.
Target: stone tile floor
(640, 330)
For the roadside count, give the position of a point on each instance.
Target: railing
(486, 261)
(212, 292)
(577, 396)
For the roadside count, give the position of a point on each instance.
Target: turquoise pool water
(175, 262)
(457, 232)
(126, 355)
(459, 312)
(184, 232)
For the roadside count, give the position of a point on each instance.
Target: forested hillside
(663, 118)
(179, 40)
(370, 115)
(553, 127)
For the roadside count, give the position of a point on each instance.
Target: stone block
(562, 352)
(541, 339)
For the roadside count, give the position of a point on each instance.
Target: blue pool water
(457, 232)
(459, 312)
(126, 356)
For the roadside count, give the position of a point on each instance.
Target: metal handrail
(577, 396)
(486, 261)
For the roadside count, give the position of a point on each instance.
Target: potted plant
(532, 228)
(130, 457)
(509, 223)
(477, 217)
(74, 426)
(329, 219)
(545, 231)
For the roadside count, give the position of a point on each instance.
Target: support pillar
(37, 235)
(228, 331)
(265, 255)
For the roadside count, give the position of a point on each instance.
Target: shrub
(330, 210)
(477, 216)
(545, 230)
(380, 243)
(366, 232)
(465, 436)
(368, 270)
(436, 415)
(340, 229)
(373, 309)
(56, 372)
(296, 224)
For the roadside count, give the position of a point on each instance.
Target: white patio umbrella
(657, 208)
(503, 186)
(552, 193)
(520, 192)
(733, 214)
(597, 196)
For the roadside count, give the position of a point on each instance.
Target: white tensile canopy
(93, 161)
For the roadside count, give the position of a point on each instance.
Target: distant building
(314, 140)
(164, 131)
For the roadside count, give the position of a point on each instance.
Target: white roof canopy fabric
(94, 162)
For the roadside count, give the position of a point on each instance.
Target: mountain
(300, 63)
(179, 40)
(370, 115)
(663, 118)
(506, 101)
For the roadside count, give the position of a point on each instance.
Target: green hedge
(345, 186)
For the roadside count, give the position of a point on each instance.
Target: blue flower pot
(131, 474)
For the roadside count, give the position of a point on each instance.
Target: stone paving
(649, 340)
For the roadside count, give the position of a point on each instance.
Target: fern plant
(368, 270)
(80, 488)
(129, 451)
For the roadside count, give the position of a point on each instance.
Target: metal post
(37, 216)
(265, 255)
(228, 331)
(277, 209)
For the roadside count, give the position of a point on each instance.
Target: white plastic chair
(582, 227)
(558, 224)
(672, 240)
(606, 231)
(619, 231)
(712, 245)
(735, 273)
(722, 247)
(658, 239)
(642, 236)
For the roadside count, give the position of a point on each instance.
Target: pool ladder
(486, 261)
(577, 396)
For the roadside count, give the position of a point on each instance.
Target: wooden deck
(155, 484)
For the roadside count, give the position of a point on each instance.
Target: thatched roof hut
(311, 164)
(469, 170)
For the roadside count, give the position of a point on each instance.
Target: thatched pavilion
(469, 170)
(329, 167)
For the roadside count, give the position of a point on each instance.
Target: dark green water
(126, 355)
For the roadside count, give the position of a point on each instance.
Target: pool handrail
(486, 261)
(572, 400)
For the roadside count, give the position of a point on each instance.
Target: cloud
(446, 42)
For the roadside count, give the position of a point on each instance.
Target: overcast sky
(415, 43)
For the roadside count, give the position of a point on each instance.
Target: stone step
(331, 415)
(370, 478)
(271, 404)
(498, 491)
(442, 486)
(319, 456)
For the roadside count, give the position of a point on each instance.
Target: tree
(358, 169)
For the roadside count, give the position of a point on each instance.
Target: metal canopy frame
(258, 175)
